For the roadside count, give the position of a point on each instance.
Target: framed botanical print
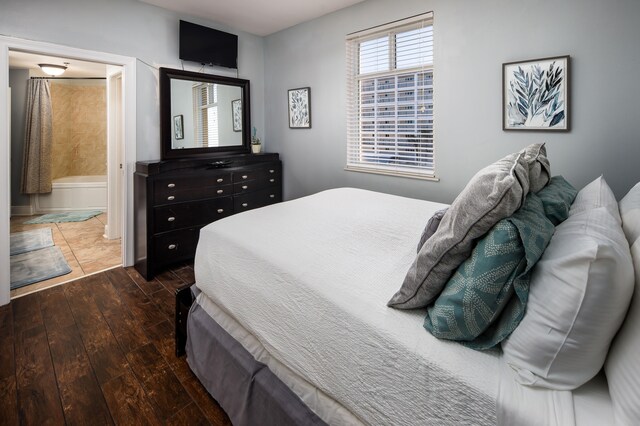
(236, 112)
(178, 132)
(535, 95)
(300, 108)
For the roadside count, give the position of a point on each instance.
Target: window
(390, 98)
(205, 108)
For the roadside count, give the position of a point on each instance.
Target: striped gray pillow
(494, 193)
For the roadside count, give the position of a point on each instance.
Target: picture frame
(299, 108)
(178, 127)
(536, 95)
(236, 114)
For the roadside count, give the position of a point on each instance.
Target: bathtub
(73, 193)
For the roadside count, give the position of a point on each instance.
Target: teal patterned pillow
(557, 198)
(485, 299)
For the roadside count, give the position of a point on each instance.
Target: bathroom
(77, 108)
(79, 148)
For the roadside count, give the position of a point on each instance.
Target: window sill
(396, 173)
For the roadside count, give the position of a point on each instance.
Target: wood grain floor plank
(140, 306)
(38, 397)
(26, 312)
(107, 359)
(82, 399)
(6, 317)
(129, 334)
(186, 274)
(188, 416)
(7, 343)
(157, 378)
(55, 309)
(166, 303)
(9, 400)
(105, 295)
(148, 287)
(128, 402)
(163, 337)
(63, 358)
(209, 406)
(128, 331)
(170, 281)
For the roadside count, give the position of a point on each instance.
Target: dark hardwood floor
(100, 350)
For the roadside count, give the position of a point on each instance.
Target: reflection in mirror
(211, 114)
(203, 115)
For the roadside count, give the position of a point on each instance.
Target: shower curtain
(36, 163)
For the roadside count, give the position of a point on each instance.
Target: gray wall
(136, 29)
(18, 82)
(473, 39)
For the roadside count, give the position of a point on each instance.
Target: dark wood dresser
(175, 198)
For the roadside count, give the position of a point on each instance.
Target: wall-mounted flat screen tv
(208, 46)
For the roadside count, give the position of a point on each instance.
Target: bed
(290, 326)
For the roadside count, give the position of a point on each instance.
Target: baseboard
(22, 211)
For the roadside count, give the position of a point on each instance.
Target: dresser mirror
(203, 114)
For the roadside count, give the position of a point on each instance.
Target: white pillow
(630, 211)
(596, 194)
(623, 363)
(580, 291)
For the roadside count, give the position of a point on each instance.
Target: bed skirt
(246, 389)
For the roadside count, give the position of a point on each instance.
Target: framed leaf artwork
(300, 108)
(535, 95)
(236, 112)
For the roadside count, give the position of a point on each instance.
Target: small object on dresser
(256, 145)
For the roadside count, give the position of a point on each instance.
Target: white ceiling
(260, 17)
(75, 68)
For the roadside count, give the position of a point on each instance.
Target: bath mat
(38, 265)
(23, 242)
(80, 216)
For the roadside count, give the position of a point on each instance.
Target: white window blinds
(390, 98)
(205, 112)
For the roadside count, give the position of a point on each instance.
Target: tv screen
(208, 46)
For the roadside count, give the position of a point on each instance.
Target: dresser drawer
(260, 173)
(257, 199)
(198, 187)
(254, 185)
(184, 215)
(175, 246)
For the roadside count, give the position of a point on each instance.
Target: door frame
(128, 65)
(115, 167)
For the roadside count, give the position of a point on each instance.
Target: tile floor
(83, 245)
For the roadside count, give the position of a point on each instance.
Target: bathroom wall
(79, 128)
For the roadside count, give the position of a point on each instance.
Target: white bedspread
(310, 279)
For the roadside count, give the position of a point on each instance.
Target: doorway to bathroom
(66, 134)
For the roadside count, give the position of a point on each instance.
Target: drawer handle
(244, 186)
(171, 219)
(220, 180)
(272, 196)
(172, 246)
(171, 185)
(171, 198)
(220, 210)
(244, 176)
(220, 191)
(272, 171)
(272, 180)
(245, 204)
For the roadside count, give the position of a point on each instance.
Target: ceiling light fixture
(51, 69)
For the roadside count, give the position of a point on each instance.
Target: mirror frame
(167, 151)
